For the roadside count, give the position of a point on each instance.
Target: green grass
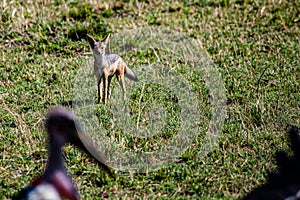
(255, 45)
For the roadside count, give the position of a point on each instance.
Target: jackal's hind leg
(122, 84)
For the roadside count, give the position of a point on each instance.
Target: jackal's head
(98, 47)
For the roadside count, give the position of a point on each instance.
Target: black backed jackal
(108, 65)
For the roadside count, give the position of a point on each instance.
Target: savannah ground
(254, 44)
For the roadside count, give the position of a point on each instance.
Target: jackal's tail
(130, 74)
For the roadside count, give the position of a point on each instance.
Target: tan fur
(108, 65)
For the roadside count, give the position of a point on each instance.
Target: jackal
(108, 65)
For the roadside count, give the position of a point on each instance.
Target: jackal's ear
(105, 39)
(91, 40)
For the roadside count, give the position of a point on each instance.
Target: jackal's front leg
(100, 87)
(108, 87)
(105, 88)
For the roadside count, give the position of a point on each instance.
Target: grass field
(254, 44)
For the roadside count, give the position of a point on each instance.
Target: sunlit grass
(254, 44)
